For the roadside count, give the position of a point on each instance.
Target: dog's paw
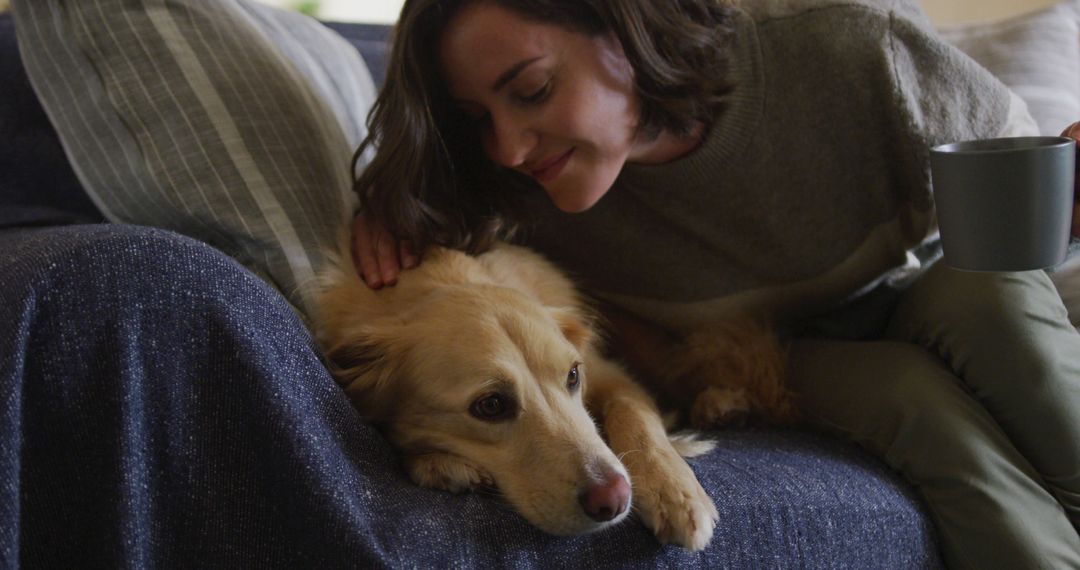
(670, 501)
(447, 472)
(690, 443)
(719, 407)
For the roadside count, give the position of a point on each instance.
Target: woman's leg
(902, 403)
(1008, 338)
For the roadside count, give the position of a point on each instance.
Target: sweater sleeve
(941, 96)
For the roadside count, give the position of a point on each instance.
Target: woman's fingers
(386, 253)
(1076, 220)
(367, 266)
(1073, 132)
(408, 257)
(378, 256)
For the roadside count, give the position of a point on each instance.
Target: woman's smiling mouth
(550, 169)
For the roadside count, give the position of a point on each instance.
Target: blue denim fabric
(161, 406)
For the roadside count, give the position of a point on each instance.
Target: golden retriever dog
(486, 372)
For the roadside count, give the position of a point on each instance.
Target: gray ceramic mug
(1004, 204)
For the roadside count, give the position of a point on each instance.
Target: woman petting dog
(698, 160)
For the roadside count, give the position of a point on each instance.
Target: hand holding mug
(1073, 132)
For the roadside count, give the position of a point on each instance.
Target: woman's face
(554, 104)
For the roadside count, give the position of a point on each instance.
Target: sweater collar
(733, 128)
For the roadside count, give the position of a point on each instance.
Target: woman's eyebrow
(509, 75)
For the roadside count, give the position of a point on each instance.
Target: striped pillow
(228, 121)
(1037, 55)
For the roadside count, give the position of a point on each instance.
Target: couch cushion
(35, 172)
(233, 123)
(33, 169)
(1037, 55)
(372, 40)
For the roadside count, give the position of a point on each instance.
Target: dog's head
(479, 384)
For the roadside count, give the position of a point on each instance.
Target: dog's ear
(365, 360)
(575, 326)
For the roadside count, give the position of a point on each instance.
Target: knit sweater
(812, 187)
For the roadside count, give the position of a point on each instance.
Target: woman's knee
(980, 301)
(900, 401)
(1009, 321)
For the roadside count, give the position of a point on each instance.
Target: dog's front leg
(448, 472)
(666, 493)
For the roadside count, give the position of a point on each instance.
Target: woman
(692, 160)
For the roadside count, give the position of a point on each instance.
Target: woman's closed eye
(537, 95)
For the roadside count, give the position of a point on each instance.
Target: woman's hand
(1073, 132)
(379, 257)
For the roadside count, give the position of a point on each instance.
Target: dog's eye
(573, 379)
(491, 407)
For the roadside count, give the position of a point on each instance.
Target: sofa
(162, 405)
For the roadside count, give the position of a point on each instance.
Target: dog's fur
(418, 357)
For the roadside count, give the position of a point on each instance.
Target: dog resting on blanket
(485, 371)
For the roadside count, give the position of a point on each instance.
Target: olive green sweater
(812, 187)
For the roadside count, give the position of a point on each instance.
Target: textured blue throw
(160, 405)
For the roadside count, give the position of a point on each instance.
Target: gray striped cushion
(1037, 55)
(224, 120)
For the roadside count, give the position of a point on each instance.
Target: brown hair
(430, 181)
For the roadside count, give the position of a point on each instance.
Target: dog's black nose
(606, 500)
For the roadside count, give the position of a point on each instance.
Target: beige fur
(417, 357)
(723, 374)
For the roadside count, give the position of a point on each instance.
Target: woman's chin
(574, 200)
(572, 208)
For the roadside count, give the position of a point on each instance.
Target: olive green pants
(973, 394)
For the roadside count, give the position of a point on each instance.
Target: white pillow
(1037, 55)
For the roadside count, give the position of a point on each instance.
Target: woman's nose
(509, 142)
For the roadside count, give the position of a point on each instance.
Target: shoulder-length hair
(430, 182)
